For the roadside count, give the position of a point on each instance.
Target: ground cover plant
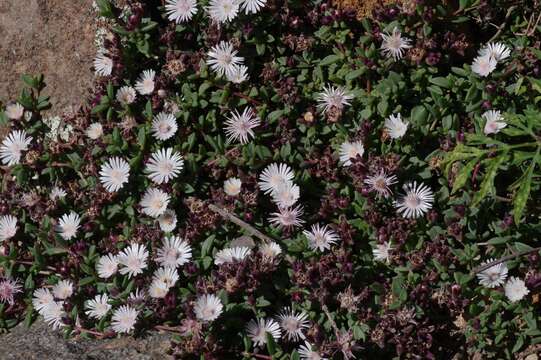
(283, 180)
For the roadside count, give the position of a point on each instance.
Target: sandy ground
(52, 37)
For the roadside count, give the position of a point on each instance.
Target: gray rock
(40, 342)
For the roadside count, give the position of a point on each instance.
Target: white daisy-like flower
(107, 266)
(252, 6)
(232, 186)
(42, 297)
(8, 227)
(13, 146)
(208, 307)
(164, 165)
(223, 10)
(174, 252)
(381, 252)
(321, 237)
(57, 193)
(231, 255)
(68, 225)
(145, 84)
(494, 276)
(494, 122)
(497, 51)
(180, 10)
(114, 174)
(416, 201)
(257, 330)
(133, 259)
(287, 218)
(63, 289)
(484, 65)
(126, 95)
(223, 59)
(94, 131)
(14, 111)
(124, 318)
(155, 202)
(307, 352)
(238, 74)
(270, 250)
(167, 275)
(293, 323)
(158, 289)
(349, 151)
(53, 313)
(515, 289)
(333, 97)
(164, 126)
(380, 183)
(98, 307)
(394, 45)
(239, 126)
(168, 221)
(103, 65)
(286, 195)
(8, 289)
(395, 126)
(274, 176)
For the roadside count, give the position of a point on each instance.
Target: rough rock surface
(52, 37)
(40, 342)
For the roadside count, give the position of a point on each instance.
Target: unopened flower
(395, 127)
(8, 227)
(252, 6)
(288, 217)
(484, 65)
(133, 260)
(168, 221)
(107, 266)
(230, 255)
(380, 183)
(257, 330)
(126, 95)
(208, 307)
(333, 97)
(350, 150)
(270, 250)
(57, 193)
(275, 176)
(180, 10)
(174, 252)
(154, 202)
(293, 323)
(223, 10)
(14, 111)
(124, 318)
(238, 127)
(381, 251)
(494, 276)
(8, 289)
(145, 83)
(223, 59)
(63, 289)
(12, 147)
(94, 131)
(103, 65)
(515, 289)
(394, 45)
(164, 126)
(494, 122)
(68, 225)
(321, 237)
(232, 186)
(114, 174)
(416, 201)
(164, 165)
(98, 307)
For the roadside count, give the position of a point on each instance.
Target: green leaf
(441, 82)
(521, 197)
(488, 181)
(464, 175)
(105, 8)
(328, 60)
(271, 344)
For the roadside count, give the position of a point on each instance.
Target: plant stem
(259, 356)
(503, 259)
(249, 228)
(168, 329)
